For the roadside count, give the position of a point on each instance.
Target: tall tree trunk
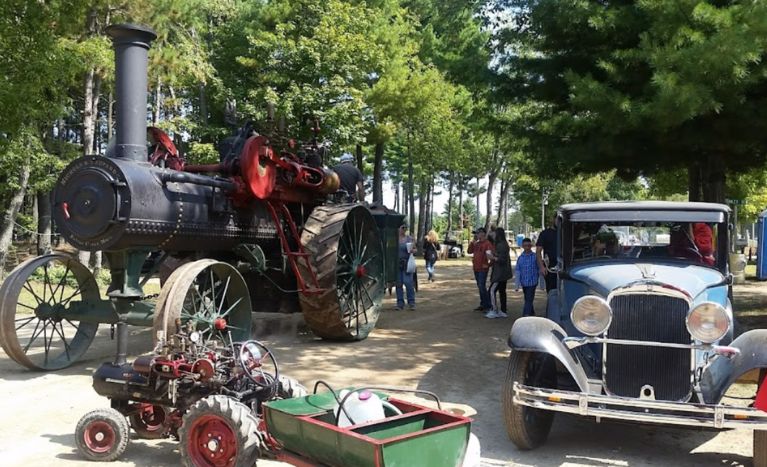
(157, 102)
(502, 204)
(358, 156)
(423, 191)
(714, 178)
(378, 173)
(491, 177)
(449, 205)
(203, 106)
(110, 116)
(396, 196)
(430, 207)
(95, 99)
(43, 222)
(694, 182)
(460, 205)
(410, 187)
(88, 119)
(404, 199)
(9, 219)
(478, 217)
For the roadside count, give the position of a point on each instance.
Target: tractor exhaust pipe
(131, 43)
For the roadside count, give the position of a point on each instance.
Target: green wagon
(305, 429)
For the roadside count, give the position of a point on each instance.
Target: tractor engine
(190, 365)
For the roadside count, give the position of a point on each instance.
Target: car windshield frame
(568, 219)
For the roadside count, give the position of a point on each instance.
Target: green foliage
(202, 153)
(639, 86)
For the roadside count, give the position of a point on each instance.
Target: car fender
(534, 334)
(722, 372)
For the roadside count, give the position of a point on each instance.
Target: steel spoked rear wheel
(347, 256)
(528, 427)
(35, 330)
(206, 293)
(218, 431)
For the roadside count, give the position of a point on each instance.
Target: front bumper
(640, 410)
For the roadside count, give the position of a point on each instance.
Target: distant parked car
(638, 332)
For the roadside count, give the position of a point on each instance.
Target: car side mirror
(729, 279)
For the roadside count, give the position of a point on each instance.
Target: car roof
(646, 211)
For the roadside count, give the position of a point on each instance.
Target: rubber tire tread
(122, 431)
(523, 436)
(290, 388)
(239, 417)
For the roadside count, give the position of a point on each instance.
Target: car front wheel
(528, 427)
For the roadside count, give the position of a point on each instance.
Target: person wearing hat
(351, 178)
(481, 260)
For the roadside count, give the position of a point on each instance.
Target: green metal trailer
(306, 429)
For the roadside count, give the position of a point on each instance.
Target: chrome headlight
(708, 322)
(591, 315)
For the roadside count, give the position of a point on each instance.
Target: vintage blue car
(640, 327)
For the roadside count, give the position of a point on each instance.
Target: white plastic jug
(362, 407)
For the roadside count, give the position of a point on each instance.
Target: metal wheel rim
(209, 432)
(99, 436)
(359, 267)
(43, 311)
(189, 297)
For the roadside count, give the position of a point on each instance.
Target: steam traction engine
(255, 231)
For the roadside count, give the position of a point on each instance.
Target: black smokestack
(131, 43)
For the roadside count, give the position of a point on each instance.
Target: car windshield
(693, 242)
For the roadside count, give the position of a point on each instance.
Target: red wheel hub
(220, 324)
(361, 271)
(99, 436)
(212, 442)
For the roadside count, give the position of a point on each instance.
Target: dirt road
(442, 347)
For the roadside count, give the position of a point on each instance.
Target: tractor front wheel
(102, 435)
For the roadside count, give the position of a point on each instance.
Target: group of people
(491, 258)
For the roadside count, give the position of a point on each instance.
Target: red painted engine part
(171, 368)
(257, 163)
(164, 150)
(761, 395)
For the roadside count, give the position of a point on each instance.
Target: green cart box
(419, 436)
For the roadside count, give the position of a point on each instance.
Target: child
(527, 276)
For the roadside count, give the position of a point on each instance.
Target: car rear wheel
(527, 427)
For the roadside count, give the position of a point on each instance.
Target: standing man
(527, 276)
(480, 261)
(547, 246)
(351, 178)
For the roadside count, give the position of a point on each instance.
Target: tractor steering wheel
(259, 364)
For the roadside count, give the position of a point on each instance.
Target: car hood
(603, 277)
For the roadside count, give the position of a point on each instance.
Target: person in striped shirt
(527, 276)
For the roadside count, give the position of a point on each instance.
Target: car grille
(648, 317)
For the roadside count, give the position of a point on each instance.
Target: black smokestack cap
(131, 43)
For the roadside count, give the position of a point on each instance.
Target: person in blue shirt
(527, 276)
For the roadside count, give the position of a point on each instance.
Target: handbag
(410, 264)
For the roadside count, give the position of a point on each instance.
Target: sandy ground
(442, 347)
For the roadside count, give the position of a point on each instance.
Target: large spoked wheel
(527, 427)
(102, 435)
(218, 431)
(347, 256)
(210, 295)
(34, 298)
